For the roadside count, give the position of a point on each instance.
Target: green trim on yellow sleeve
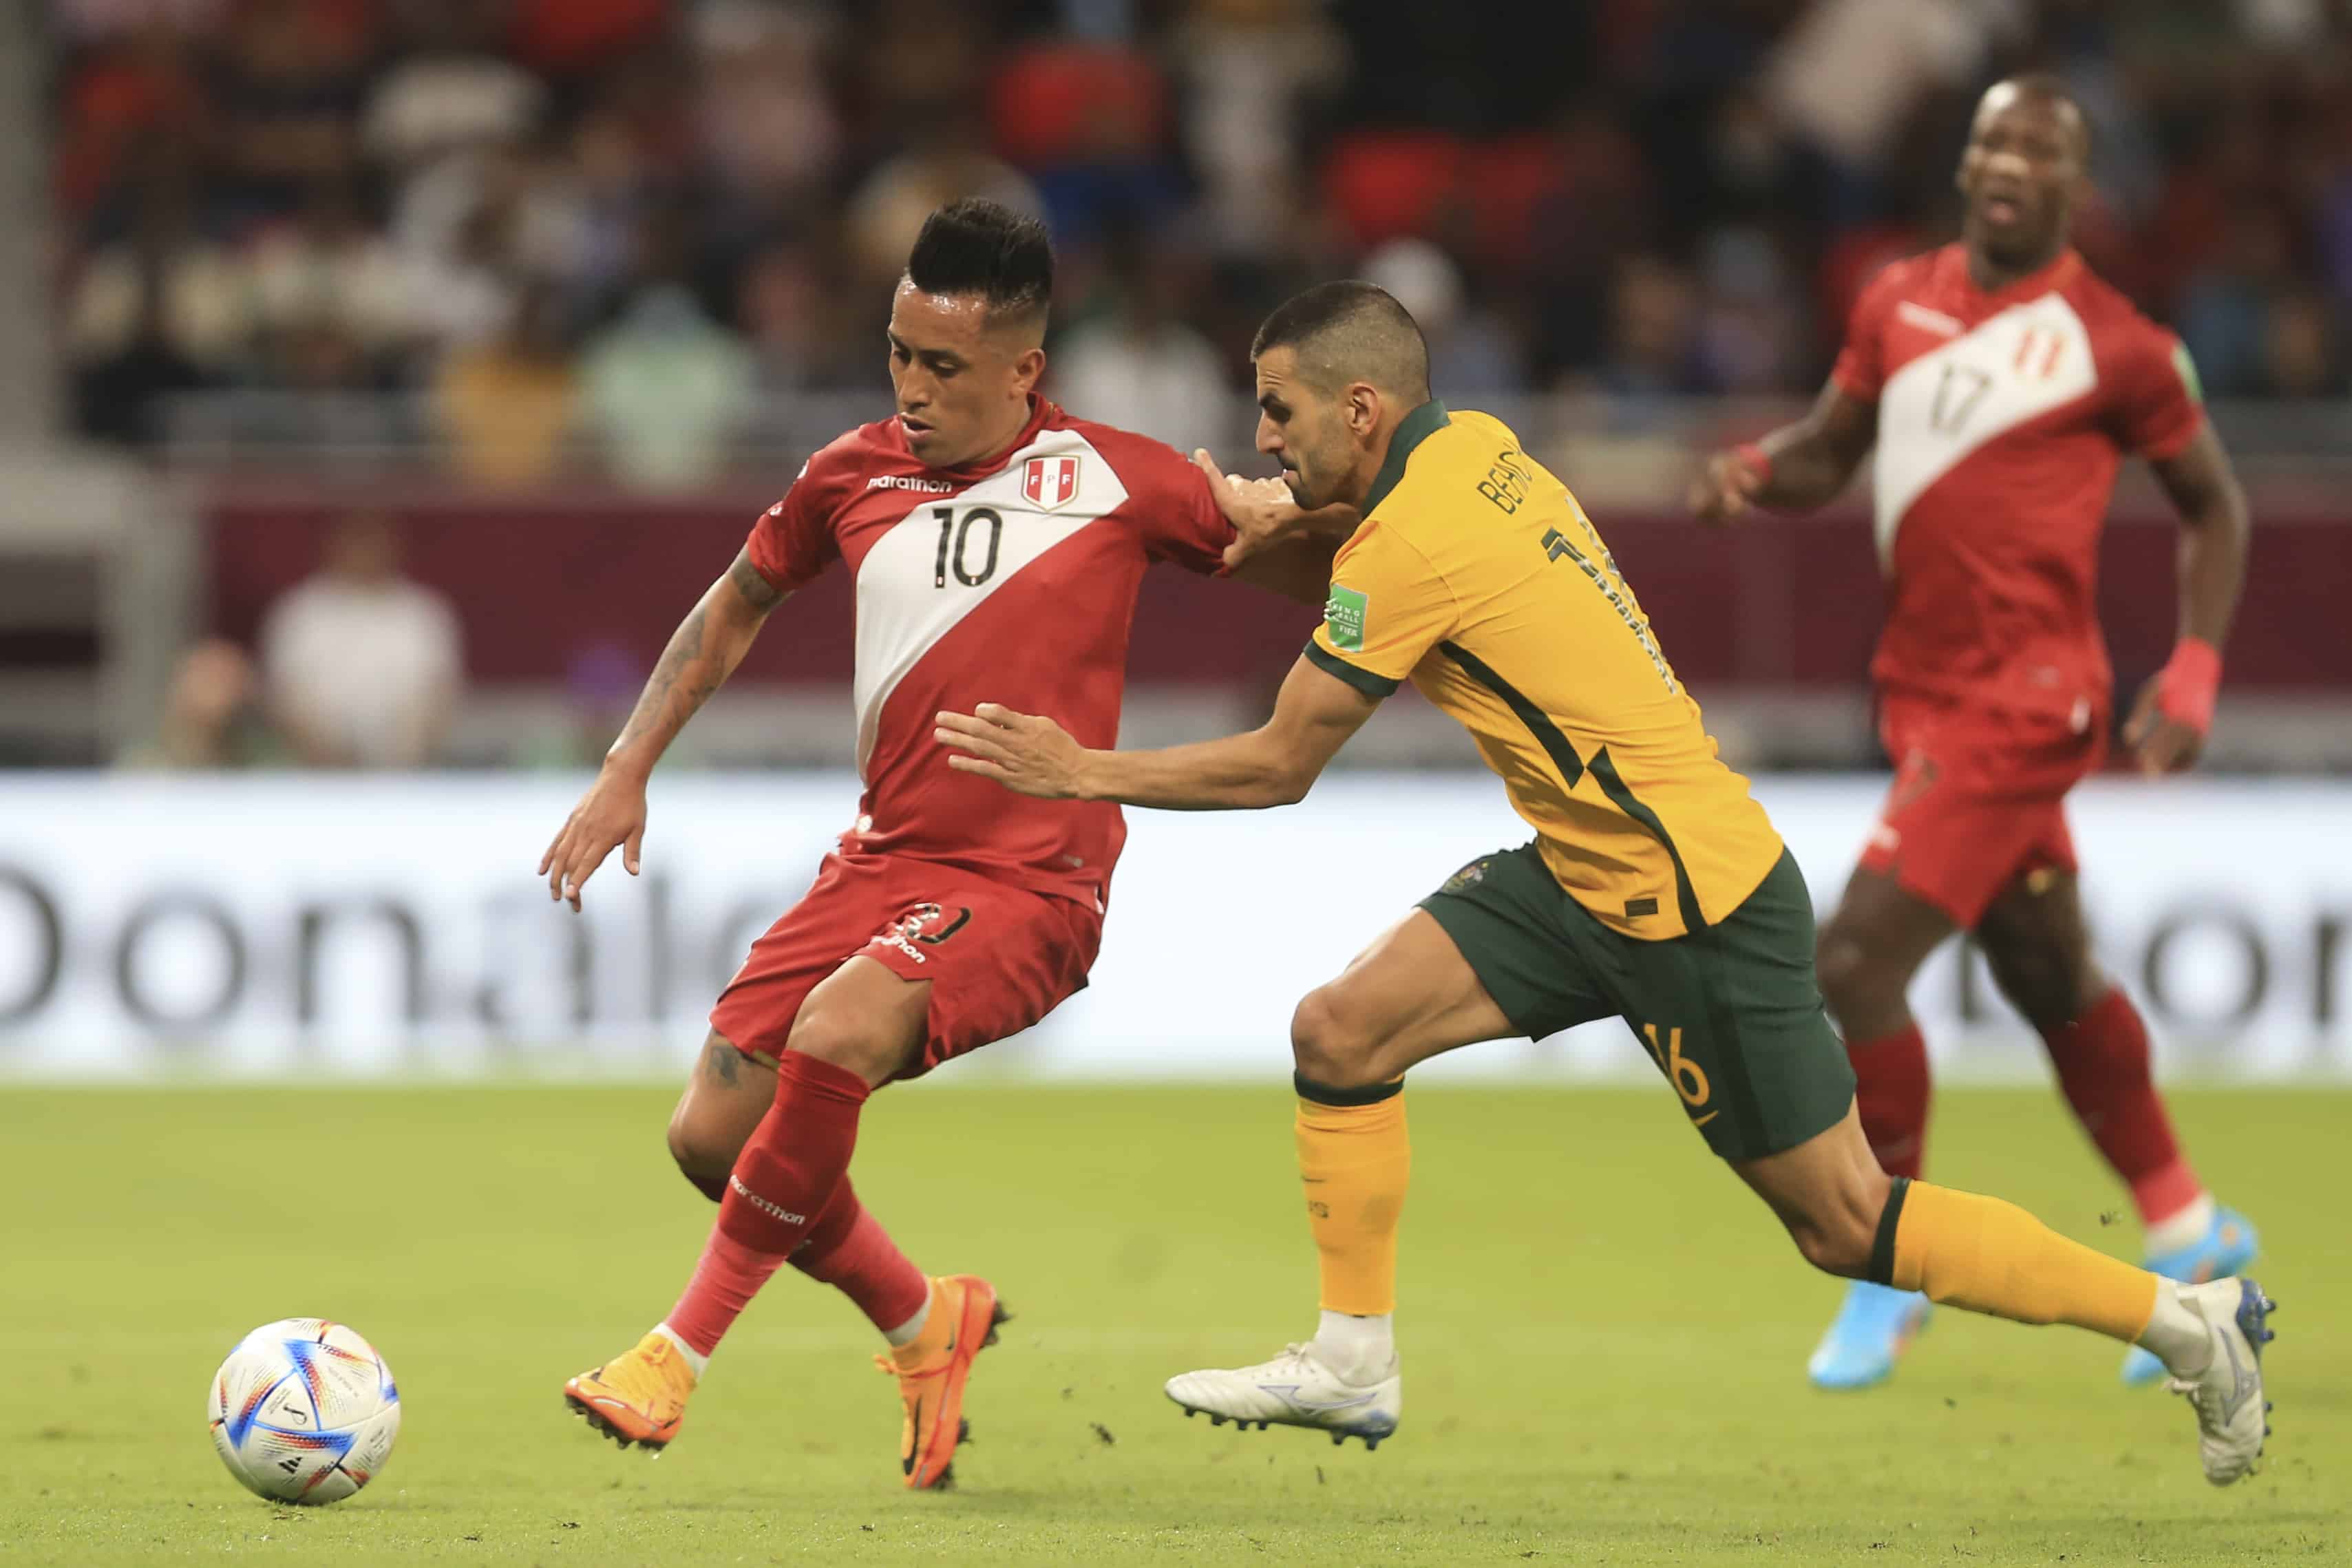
(1363, 680)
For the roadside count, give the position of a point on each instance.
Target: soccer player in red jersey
(2002, 385)
(997, 545)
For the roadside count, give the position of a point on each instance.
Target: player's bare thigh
(2037, 946)
(865, 1018)
(1409, 997)
(1869, 950)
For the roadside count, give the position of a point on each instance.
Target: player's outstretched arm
(702, 653)
(1794, 469)
(1274, 765)
(2175, 708)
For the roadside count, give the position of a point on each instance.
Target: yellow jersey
(1477, 575)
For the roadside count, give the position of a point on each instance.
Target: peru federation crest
(1049, 482)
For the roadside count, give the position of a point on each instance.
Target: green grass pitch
(1605, 1336)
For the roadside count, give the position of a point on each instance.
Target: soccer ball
(304, 1411)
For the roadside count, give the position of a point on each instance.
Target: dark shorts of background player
(1731, 1013)
(999, 957)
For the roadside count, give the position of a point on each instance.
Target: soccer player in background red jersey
(2002, 385)
(997, 545)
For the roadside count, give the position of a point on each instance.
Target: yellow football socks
(1987, 1256)
(1355, 1160)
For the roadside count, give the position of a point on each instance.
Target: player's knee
(1836, 1230)
(2047, 989)
(1854, 981)
(1333, 1042)
(704, 1155)
(1831, 1250)
(2044, 996)
(870, 1050)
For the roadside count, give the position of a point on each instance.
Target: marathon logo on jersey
(908, 929)
(1050, 482)
(910, 482)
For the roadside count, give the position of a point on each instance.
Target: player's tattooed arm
(1274, 765)
(702, 653)
(1794, 469)
(760, 594)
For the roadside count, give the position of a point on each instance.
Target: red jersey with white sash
(1013, 579)
(2002, 420)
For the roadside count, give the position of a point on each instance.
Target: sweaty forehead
(951, 322)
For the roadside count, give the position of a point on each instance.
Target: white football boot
(1294, 1389)
(2233, 1416)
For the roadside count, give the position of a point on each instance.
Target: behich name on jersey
(910, 482)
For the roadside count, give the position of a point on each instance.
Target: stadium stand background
(381, 380)
(552, 295)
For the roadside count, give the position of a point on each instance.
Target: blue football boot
(1869, 1332)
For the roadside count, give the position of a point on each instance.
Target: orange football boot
(638, 1396)
(931, 1372)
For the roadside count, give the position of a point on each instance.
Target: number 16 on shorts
(1687, 1076)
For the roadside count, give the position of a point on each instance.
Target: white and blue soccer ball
(304, 1411)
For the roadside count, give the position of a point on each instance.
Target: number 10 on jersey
(955, 545)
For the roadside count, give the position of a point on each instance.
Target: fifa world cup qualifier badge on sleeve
(1344, 613)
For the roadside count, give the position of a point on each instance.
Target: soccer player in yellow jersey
(1656, 890)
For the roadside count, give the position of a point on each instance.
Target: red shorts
(998, 957)
(1979, 801)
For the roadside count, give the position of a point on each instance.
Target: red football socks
(729, 1275)
(1891, 1089)
(849, 1250)
(782, 1183)
(2103, 1064)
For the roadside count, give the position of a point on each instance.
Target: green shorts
(1731, 1013)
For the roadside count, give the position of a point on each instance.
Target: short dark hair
(976, 247)
(2051, 88)
(1350, 330)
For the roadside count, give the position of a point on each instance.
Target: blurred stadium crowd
(517, 231)
(384, 305)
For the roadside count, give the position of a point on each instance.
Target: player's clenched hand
(1724, 489)
(612, 813)
(2162, 743)
(1263, 511)
(1026, 755)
